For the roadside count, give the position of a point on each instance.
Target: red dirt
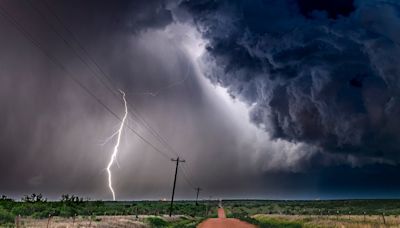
(221, 213)
(223, 222)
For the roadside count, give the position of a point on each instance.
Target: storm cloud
(273, 98)
(53, 132)
(312, 73)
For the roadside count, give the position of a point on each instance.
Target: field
(314, 207)
(352, 221)
(110, 221)
(70, 211)
(336, 213)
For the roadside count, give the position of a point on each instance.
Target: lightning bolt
(171, 85)
(115, 151)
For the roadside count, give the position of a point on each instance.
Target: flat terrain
(352, 221)
(264, 213)
(99, 221)
(114, 221)
(223, 222)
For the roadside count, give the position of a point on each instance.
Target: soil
(223, 222)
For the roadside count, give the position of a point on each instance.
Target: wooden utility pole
(177, 160)
(197, 195)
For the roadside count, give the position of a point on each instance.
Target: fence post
(48, 221)
(90, 219)
(17, 221)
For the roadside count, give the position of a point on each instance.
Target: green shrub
(23, 209)
(157, 222)
(276, 223)
(5, 216)
(66, 211)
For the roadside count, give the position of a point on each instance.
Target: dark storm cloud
(153, 14)
(332, 8)
(319, 72)
(132, 16)
(313, 79)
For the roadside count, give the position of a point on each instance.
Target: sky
(263, 99)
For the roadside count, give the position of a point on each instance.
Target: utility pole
(177, 160)
(197, 196)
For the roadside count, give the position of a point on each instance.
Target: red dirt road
(223, 222)
(221, 213)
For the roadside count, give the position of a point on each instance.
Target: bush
(44, 213)
(275, 223)
(5, 216)
(23, 209)
(66, 211)
(157, 222)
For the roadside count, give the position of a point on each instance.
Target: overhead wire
(111, 88)
(105, 75)
(55, 61)
(187, 179)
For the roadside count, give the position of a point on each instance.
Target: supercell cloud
(324, 73)
(263, 98)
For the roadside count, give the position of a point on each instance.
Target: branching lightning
(115, 151)
(173, 84)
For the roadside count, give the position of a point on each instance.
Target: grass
(6, 217)
(264, 213)
(275, 223)
(182, 222)
(354, 221)
(314, 207)
(34, 209)
(42, 209)
(157, 222)
(267, 222)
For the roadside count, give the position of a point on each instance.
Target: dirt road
(223, 222)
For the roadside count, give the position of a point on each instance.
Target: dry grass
(98, 221)
(353, 221)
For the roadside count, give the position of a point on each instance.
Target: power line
(197, 189)
(38, 11)
(190, 174)
(21, 28)
(112, 89)
(187, 179)
(137, 115)
(27, 35)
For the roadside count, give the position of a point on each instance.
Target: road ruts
(223, 222)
